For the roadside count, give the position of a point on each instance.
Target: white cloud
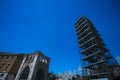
(79, 68)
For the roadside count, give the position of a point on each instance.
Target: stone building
(68, 76)
(9, 65)
(24, 66)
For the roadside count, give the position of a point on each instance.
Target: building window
(3, 64)
(1, 57)
(4, 61)
(12, 57)
(1, 75)
(32, 58)
(5, 57)
(25, 73)
(6, 67)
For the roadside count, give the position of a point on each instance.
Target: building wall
(68, 76)
(36, 62)
(6, 63)
(9, 65)
(12, 66)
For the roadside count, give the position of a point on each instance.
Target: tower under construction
(97, 62)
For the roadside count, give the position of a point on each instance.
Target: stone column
(20, 69)
(32, 68)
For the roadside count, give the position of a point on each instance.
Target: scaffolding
(97, 62)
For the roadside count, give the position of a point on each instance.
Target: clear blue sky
(48, 26)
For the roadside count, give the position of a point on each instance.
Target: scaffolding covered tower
(96, 59)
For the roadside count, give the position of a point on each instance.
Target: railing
(85, 36)
(84, 31)
(78, 29)
(99, 73)
(95, 63)
(91, 55)
(87, 41)
(88, 48)
(79, 21)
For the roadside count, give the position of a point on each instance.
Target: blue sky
(48, 26)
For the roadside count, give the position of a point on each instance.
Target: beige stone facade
(24, 66)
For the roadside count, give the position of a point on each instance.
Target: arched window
(25, 73)
(40, 75)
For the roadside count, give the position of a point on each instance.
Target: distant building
(24, 66)
(52, 76)
(68, 76)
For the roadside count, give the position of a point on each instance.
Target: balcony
(95, 63)
(87, 41)
(88, 48)
(80, 21)
(80, 27)
(103, 73)
(84, 31)
(87, 57)
(85, 36)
